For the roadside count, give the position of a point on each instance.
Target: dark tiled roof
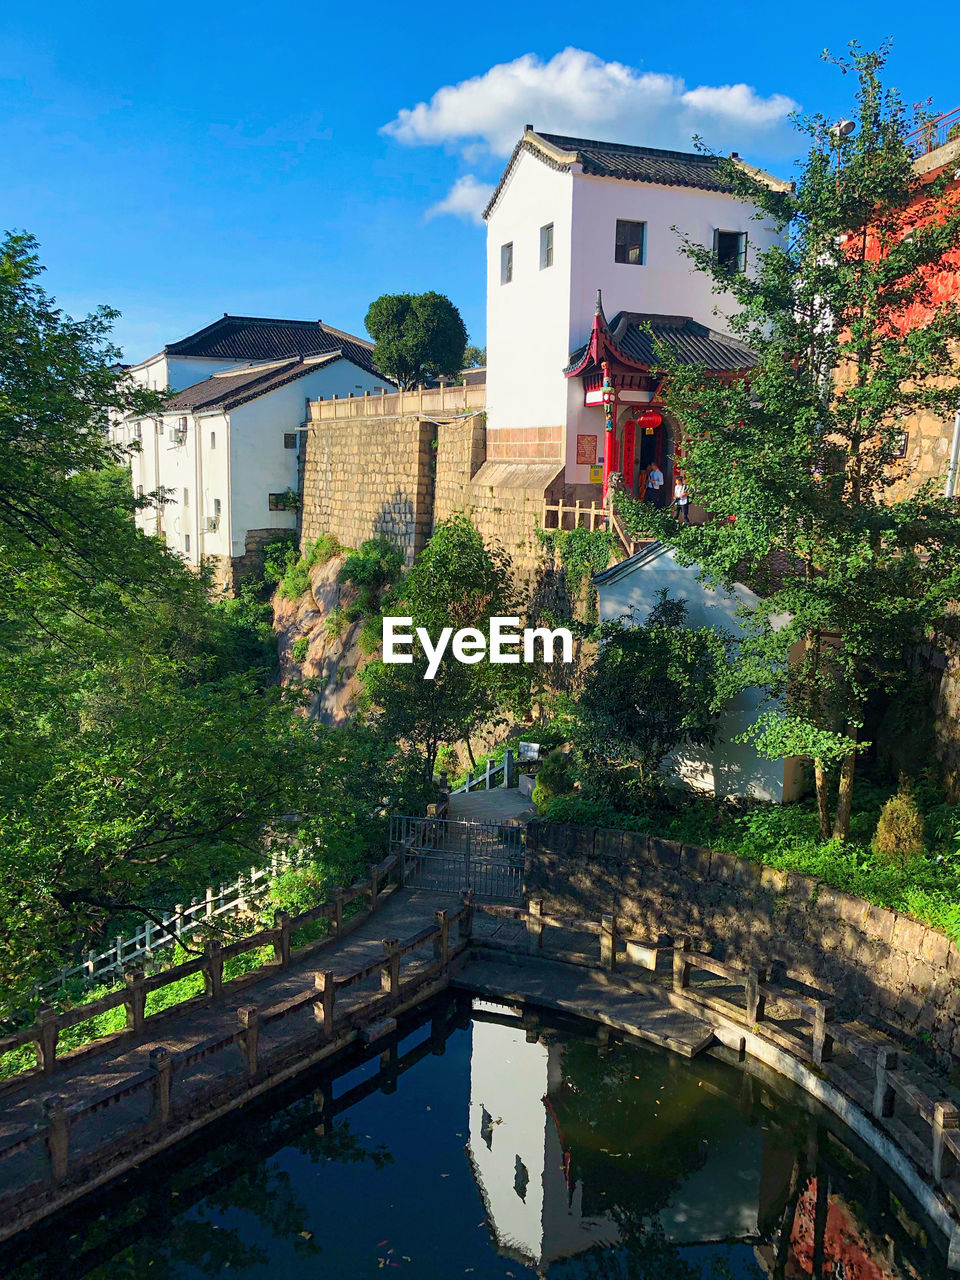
(645, 164)
(254, 338)
(636, 335)
(228, 390)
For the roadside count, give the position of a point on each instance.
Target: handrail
(491, 770)
(935, 132)
(890, 1082)
(44, 1032)
(163, 1065)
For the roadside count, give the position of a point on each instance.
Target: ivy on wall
(583, 553)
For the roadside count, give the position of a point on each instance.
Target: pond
(502, 1148)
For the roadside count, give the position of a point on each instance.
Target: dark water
(502, 1151)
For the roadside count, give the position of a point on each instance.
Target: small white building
(631, 589)
(225, 452)
(572, 219)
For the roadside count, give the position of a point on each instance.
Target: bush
(554, 778)
(900, 832)
(292, 573)
(336, 623)
(376, 565)
(300, 648)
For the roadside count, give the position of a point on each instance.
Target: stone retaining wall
(873, 961)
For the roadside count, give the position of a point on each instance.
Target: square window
(730, 249)
(546, 246)
(289, 439)
(506, 263)
(631, 242)
(903, 439)
(280, 501)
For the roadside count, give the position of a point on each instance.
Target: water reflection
(496, 1148)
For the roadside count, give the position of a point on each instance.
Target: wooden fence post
(248, 1016)
(135, 1004)
(213, 969)
(390, 973)
(756, 1000)
(681, 964)
(441, 943)
(534, 924)
(608, 942)
(374, 884)
(323, 1007)
(822, 1040)
(884, 1099)
(466, 919)
(944, 1163)
(162, 1065)
(47, 1036)
(281, 943)
(58, 1135)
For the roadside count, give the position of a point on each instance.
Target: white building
(631, 589)
(225, 452)
(572, 219)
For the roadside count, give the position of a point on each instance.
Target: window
(216, 508)
(159, 426)
(139, 490)
(900, 445)
(182, 424)
(186, 497)
(186, 543)
(546, 246)
(289, 439)
(506, 263)
(282, 501)
(631, 242)
(138, 431)
(213, 439)
(378, 391)
(730, 249)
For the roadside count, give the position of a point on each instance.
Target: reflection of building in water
(517, 1155)
(542, 1202)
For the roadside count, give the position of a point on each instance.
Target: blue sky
(181, 161)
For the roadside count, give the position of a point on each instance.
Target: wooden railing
(446, 402)
(937, 1154)
(45, 1031)
(158, 1078)
(594, 515)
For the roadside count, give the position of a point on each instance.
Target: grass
(926, 887)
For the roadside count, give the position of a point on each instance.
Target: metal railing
(450, 856)
(935, 133)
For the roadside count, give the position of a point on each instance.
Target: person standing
(682, 498)
(654, 492)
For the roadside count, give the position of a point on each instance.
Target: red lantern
(650, 420)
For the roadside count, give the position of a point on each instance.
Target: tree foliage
(456, 582)
(651, 689)
(144, 745)
(810, 501)
(417, 335)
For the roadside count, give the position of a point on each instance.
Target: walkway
(500, 804)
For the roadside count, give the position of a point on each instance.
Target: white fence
(484, 781)
(141, 947)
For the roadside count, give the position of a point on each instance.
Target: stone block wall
(461, 450)
(369, 476)
(525, 444)
(872, 961)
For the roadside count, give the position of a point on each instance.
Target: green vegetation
(146, 748)
(796, 465)
(554, 778)
(291, 571)
(900, 831)
(417, 336)
(300, 648)
(583, 553)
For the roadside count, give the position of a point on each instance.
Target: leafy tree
(474, 357)
(456, 582)
(144, 745)
(651, 689)
(797, 467)
(417, 335)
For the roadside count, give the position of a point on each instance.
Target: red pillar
(610, 435)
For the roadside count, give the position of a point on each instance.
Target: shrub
(294, 572)
(300, 648)
(336, 623)
(554, 778)
(900, 832)
(376, 565)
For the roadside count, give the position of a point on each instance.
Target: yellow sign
(596, 475)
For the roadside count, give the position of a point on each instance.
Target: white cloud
(578, 93)
(467, 198)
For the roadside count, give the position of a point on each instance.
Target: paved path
(500, 804)
(84, 1079)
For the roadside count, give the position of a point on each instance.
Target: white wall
(728, 768)
(528, 320)
(174, 373)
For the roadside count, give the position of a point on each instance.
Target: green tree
(651, 689)
(474, 357)
(456, 582)
(797, 466)
(417, 335)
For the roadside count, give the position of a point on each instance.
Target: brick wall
(369, 476)
(461, 450)
(872, 961)
(526, 444)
